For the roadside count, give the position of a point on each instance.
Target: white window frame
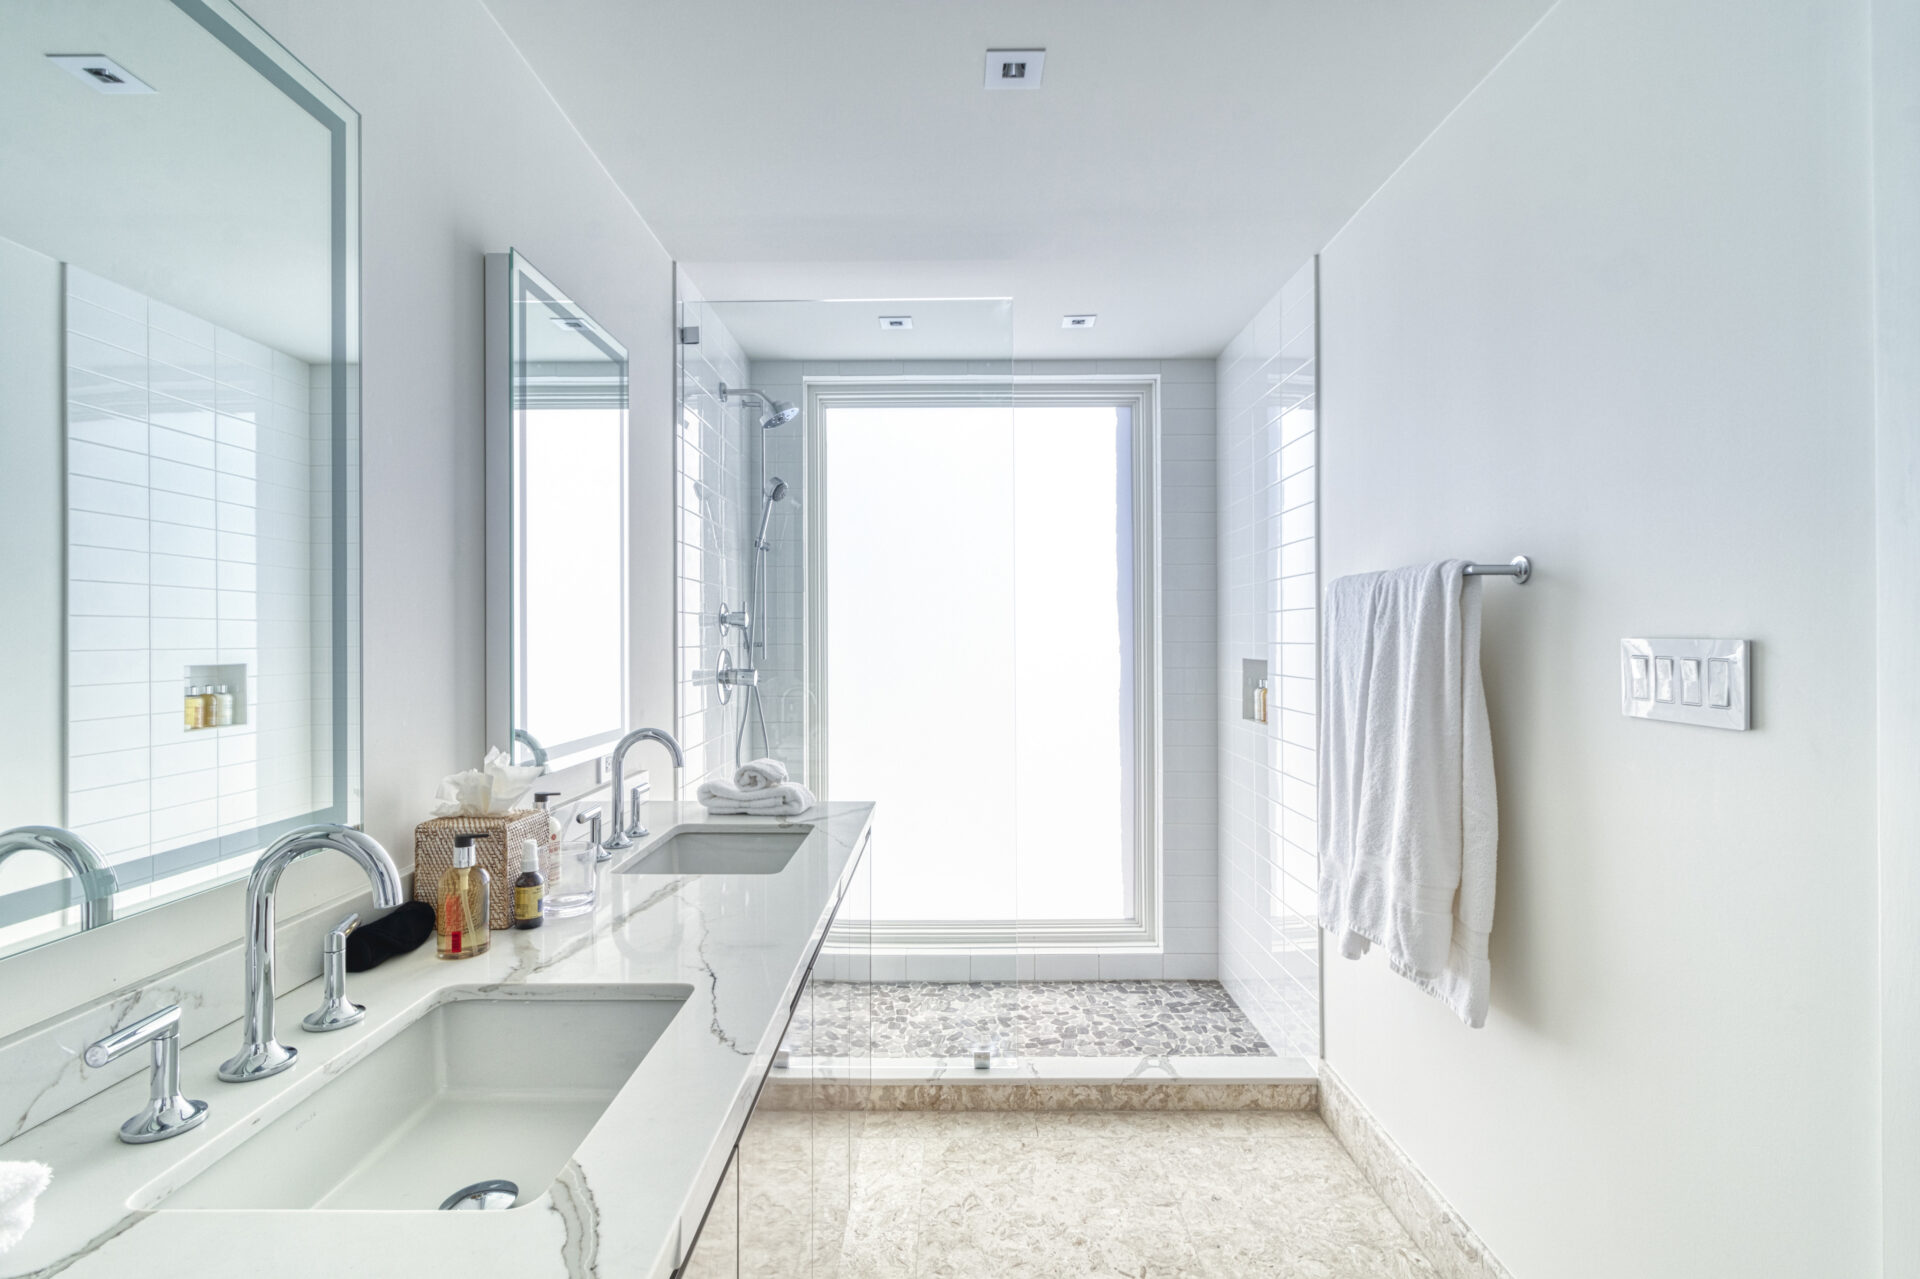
(1141, 930)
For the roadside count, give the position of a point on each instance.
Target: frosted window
(979, 655)
(572, 542)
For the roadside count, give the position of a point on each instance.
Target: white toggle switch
(1694, 681)
(1690, 681)
(1720, 683)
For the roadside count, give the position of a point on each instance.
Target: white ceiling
(213, 194)
(1178, 163)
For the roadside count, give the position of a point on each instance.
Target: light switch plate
(1696, 681)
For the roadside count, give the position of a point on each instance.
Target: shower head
(776, 490)
(779, 412)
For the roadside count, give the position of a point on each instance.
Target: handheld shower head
(779, 412)
(776, 491)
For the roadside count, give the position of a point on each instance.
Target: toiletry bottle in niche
(222, 707)
(207, 706)
(195, 710)
(530, 889)
(461, 927)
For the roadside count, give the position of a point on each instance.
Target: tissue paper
(496, 787)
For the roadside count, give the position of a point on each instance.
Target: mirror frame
(508, 276)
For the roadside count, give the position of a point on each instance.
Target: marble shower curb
(1158, 1094)
(1448, 1242)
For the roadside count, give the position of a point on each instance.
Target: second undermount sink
(722, 850)
(476, 1089)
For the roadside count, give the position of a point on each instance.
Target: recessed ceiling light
(100, 71)
(1077, 321)
(1015, 68)
(896, 321)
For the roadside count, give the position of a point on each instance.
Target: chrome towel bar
(1520, 568)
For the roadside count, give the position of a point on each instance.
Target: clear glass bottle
(196, 708)
(222, 707)
(461, 929)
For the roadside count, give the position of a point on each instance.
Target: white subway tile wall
(1269, 610)
(714, 468)
(197, 537)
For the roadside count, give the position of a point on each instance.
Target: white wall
(1615, 314)
(1269, 611)
(470, 159)
(1896, 159)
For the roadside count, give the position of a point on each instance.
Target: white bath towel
(20, 1185)
(759, 774)
(1408, 820)
(785, 800)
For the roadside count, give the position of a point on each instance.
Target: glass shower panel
(847, 517)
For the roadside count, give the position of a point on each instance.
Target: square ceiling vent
(100, 71)
(1015, 68)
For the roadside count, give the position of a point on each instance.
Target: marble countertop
(627, 1203)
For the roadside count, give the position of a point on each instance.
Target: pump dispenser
(460, 924)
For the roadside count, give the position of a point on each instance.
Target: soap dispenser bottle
(541, 801)
(461, 927)
(530, 889)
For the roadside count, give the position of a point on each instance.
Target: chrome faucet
(622, 836)
(260, 1053)
(97, 882)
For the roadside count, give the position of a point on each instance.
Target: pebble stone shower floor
(1028, 1019)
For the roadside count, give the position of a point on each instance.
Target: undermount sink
(476, 1089)
(722, 850)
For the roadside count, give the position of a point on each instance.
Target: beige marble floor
(1141, 1195)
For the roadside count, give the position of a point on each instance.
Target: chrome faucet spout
(260, 1053)
(623, 831)
(97, 881)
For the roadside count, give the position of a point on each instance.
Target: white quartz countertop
(630, 1199)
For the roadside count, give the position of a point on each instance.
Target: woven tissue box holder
(499, 852)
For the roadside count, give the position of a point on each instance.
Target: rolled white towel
(759, 774)
(785, 800)
(20, 1185)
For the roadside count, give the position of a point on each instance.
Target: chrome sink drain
(482, 1196)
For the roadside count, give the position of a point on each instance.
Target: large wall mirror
(179, 341)
(556, 522)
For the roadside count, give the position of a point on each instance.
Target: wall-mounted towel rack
(1520, 568)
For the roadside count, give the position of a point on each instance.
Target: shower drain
(482, 1196)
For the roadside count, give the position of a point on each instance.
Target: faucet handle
(638, 828)
(591, 818)
(167, 1113)
(336, 1011)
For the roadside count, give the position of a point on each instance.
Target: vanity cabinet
(783, 1207)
